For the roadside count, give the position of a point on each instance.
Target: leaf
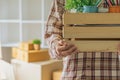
(78, 4)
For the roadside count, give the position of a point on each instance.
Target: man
(76, 65)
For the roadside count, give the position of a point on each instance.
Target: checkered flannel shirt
(80, 66)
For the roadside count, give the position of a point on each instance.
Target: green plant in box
(78, 4)
(73, 4)
(36, 43)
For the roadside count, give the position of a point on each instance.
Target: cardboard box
(92, 31)
(57, 75)
(35, 70)
(14, 52)
(26, 46)
(30, 56)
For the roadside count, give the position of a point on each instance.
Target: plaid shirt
(81, 66)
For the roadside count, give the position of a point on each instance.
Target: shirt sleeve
(53, 31)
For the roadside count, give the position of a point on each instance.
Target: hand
(64, 48)
(118, 48)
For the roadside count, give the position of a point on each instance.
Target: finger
(118, 47)
(61, 43)
(68, 46)
(70, 51)
(76, 51)
(60, 48)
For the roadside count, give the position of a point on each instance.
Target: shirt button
(88, 66)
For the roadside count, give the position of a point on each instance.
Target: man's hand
(64, 48)
(118, 48)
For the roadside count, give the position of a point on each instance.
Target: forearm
(53, 32)
(52, 41)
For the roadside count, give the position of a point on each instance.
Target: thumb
(61, 42)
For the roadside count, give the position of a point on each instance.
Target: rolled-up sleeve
(53, 31)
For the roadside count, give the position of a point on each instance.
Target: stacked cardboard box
(57, 75)
(35, 70)
(26, 52)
